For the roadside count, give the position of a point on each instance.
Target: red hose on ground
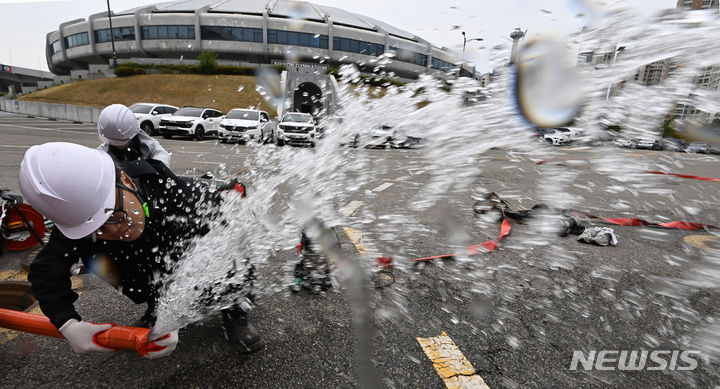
(117, 337)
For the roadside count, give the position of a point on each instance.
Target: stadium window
(128, 33)
(293, 38)
(172, 32)
(56, 47)
(304, 40)
(167, 32)
(247, 35)
(75, 40)
(231, 33)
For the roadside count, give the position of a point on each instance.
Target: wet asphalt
(516, 314)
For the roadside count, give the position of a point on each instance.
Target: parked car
(697, 147)
(384, 136)
(242, 125)
(559, 136)
(627, 143)
(150, 114)
(649, 144)
(297, 128)
(191, 121)
(674, 144)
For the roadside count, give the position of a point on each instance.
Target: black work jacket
(179, 209)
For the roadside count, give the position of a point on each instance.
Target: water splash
(544, 279)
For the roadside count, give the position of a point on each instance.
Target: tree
(208, 62)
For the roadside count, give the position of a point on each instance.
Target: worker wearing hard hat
(123, 138)
(126, 221)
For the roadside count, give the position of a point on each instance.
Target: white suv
(297, 128)
(245, 124)
(560, 135)
(150, 114)
(191, 121)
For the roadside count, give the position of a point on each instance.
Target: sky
(26, 22)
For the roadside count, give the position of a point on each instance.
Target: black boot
(240, 332)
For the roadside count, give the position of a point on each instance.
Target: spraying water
(292, 186)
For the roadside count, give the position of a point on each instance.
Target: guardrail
(76, 113)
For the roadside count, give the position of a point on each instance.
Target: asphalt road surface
(509, 318)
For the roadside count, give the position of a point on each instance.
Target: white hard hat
(72, 185)
(117, 124)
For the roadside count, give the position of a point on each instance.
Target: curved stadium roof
(222, 25)
(280, 8)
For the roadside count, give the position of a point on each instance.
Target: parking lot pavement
(510, 318)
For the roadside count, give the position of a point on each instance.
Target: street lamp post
(112, 35)
(465, 41)
(615, 53)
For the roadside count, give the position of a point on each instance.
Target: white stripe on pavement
(383, 187)
(16, 147)
(350, 208)
(44, 129)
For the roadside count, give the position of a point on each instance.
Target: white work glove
(162, 346)
(81, 335)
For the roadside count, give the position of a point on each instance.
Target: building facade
(248, 31)
(698, 4)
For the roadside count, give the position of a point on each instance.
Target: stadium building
(250, 32)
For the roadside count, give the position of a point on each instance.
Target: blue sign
(5, 68)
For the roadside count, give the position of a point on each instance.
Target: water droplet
(548, 84)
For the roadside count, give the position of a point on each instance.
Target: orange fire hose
(117, 337)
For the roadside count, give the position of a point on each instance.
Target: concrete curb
(75, 113)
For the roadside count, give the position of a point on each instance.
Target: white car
(150, 114)
(191, 121)
(243, 125)
(297, 128)
(559, 136)
(384, 136)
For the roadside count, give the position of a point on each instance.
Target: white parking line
(45, 129)
(15, 147)
(403, 178)
(383, 187)
(350, 208)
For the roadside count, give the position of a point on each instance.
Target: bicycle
(21, 226)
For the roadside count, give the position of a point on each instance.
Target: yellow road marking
(13, 275)
(450, 363)
(355, 237)
(700, 241)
